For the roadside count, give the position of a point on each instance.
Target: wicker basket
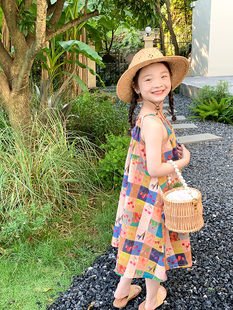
(183, 216)
(183, 210)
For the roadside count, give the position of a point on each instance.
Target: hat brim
(179, 68)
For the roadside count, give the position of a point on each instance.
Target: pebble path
(208, 283)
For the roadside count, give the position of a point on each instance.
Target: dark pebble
(208, 284)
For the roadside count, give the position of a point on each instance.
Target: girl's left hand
(180, 152)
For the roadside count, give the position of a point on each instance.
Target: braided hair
(170, 95)
(133, 102)
(133, 105)
(171, 105)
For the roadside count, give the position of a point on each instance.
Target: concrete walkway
(191, 85)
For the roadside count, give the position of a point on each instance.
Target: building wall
(212, 38)
(221, 38)
(200, 37)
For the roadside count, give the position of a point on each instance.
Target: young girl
(146, 248)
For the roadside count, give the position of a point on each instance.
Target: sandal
(160, 298)
(122, 302)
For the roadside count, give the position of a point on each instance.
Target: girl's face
(154, 83)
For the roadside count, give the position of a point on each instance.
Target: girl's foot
(163, 292)
(123, 289)
(158, 301)
(121, 302)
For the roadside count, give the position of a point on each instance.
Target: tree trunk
(161, 34)
(5, 34)
(15, 70)
(168, 23)
(17, 106)
(19, 117)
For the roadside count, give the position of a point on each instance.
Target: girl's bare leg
(152, 288)
(123, 288)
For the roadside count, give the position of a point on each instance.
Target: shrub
(213, 102)
(211, 109)
(111, 167)
(227, 115)
(42, 179)
(93, 115)
(221, 90)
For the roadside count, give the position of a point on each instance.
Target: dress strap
(151, 114)
(164, 121)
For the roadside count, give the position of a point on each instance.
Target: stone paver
(184, 126)
(197, 138)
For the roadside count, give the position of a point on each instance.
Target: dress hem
(152, 278)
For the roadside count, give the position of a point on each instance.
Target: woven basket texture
(183, 216)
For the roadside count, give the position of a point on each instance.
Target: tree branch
(70, 24)
(85, 8)
(6, 62)
(27, 4)
(40, 27)
(10, 11)
(51, 8)
(4, 56)
(56, 14)
(170, 27)
(158, 9)
(4, 89)
(168, 9)
(36, 46)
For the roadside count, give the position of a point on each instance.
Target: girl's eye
(164, 76)
(148, 80)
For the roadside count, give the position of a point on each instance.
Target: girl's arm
(154, 136)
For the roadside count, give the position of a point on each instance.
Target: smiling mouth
(160, 92)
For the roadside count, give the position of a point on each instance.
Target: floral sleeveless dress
(146, 248)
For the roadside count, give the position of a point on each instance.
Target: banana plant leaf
(81, 48)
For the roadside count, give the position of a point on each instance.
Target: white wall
(200, 37)
(212, 38)
(221, 38)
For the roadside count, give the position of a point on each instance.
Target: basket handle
(179, 176)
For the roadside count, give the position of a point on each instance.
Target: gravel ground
(208, 284)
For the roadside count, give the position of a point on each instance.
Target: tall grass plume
(41, 179)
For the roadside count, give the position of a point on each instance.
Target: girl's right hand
(185, 154)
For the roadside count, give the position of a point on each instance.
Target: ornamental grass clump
(42, 178)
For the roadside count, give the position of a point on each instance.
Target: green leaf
(107, 23)
(126, 25)
(45, 66)
(42, 57)
(94, 33)
(91, 71)
(81, 83)
(80, 47)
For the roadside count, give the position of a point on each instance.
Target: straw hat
(179, 68)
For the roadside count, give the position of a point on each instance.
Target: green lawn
(34, 271)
